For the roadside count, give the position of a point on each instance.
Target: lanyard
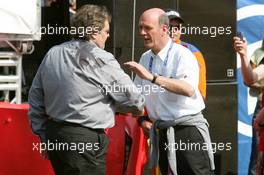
(165, 62)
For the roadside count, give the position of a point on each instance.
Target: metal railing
(11, 82)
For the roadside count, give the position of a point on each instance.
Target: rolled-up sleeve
(36, 113)
(188, 69)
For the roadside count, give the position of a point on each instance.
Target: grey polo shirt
(80, 83)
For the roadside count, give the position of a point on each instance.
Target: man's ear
(94, 35)
(165, 28)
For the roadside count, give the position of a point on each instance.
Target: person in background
(253, 76)
(176, 22)
(75, 94)
(72, 7)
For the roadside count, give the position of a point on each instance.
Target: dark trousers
(189, 162)
(76, 150)
(254, 146)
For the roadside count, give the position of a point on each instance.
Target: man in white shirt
(173, 101)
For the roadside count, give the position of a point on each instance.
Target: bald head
(156, 15)
(153, 24)
(153, 12)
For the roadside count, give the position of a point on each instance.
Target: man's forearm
(247, 71)
(257, 86)
(177, 86)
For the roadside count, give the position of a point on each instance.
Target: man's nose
(142, 32)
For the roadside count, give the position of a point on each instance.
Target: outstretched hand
(139, 70)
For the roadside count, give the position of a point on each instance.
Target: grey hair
(164, 20)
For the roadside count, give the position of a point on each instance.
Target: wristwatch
(155, 76)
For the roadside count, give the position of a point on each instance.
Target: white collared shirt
(182, 65)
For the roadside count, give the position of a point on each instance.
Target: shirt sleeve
(262, 61)
(202, 73)
(187, 69)
(120, 87)
(36, 113)
(257, 57)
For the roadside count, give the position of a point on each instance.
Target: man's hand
(240, 46)
(146, 126)
(139, 70)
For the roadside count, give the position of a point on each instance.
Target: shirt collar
(163, 52)
(92, 43)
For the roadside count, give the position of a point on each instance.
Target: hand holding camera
(240, 36)
(240, 44)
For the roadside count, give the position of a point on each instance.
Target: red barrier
(139, 149)
(16, 147)
(116, 150)
(19, 156)
(116, 153)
